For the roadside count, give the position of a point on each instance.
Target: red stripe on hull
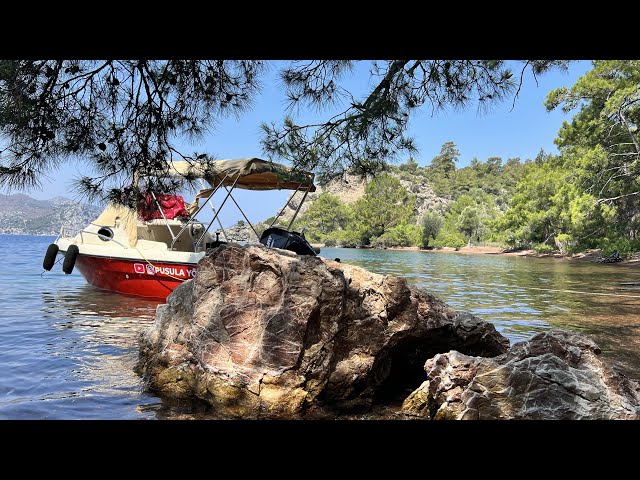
(133, 277)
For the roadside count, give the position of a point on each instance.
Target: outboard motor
(275, 237)
(216, 243)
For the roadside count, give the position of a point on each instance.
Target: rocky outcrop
(348, 189)
(426, 199)
(555, 375)
(266, 333)
(241, 232)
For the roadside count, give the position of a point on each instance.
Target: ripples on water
(67, 350)
(523, 296)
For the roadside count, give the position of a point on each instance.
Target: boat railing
(229, 189)
(199, 209)
(293, 218)
(102, 237)
(68, 233)
(220, 208)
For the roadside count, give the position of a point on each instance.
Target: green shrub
(404, 235)
(566, 243)
(622, 245)
(330, 242)
(342, 238)
(450, 239)
(543, 248)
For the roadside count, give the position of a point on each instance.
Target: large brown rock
(555, 375)
(265, 332)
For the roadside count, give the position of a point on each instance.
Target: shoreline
(587, 256)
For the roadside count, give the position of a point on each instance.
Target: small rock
(555, 375)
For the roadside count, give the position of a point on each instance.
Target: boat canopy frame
(250, 174)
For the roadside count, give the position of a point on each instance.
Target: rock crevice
(555, 375)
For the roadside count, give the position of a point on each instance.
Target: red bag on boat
(172, 206)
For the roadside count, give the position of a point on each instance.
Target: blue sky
(503, 132)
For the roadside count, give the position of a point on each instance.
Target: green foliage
(623, 246)
(566, 243)
(385, 204)
(492, 176)
(449, 236)
(343, 238)
(411, 166)
(469, 221)
(587, 196)
(326, 215)
(399, 236)
(431, 223)
(543, 248)
(445, 162)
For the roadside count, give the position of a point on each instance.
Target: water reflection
(105, 328)
(93, 345)
(104, 317)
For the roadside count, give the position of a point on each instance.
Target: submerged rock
(264, 332)
(555, 375)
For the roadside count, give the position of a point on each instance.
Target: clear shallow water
(522, 296)
(67, 350)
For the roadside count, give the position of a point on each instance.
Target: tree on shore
(325, 216)
(431, 223)
(587, 197)
(386, 204)
(469, 222)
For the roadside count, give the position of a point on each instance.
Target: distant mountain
(23, 215)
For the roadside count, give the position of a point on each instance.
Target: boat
(151, 250)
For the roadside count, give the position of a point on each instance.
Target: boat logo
(151, 270)
(138, 268)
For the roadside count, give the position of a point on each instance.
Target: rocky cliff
(352, 188)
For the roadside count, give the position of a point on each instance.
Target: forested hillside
(435, 205)
(585, 197)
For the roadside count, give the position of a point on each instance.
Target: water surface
(67, 350)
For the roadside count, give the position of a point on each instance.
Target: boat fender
(50, 257)
(70, 259)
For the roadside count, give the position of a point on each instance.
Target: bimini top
(250, 173)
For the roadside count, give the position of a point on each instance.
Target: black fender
(70, 259)
(50, 256)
